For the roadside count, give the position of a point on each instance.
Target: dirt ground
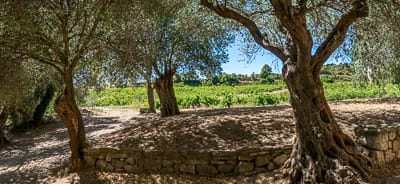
(40, 155)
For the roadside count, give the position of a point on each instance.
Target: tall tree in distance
(265, 71)
(60, 34)
(291, 30)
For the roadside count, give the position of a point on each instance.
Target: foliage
(267, 80)
(227, 99)
(265, 71)
(376, 44)
(224, 79)
(186, 39)
(192, 82)
(241, 95)
(327, 78)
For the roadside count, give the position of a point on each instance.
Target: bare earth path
(35, 155)
(40, 155)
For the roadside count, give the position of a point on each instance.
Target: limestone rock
(149, 164)
(226, 168)
(132, 169)
(101, 164)
(280, 160)
(131, 161)
(271, 166)
(378, 155)
(262, 160)
(245, 167)
(224, 155)
(109, 168)
(389, 155)
(167, 170)
(118, 164)
(167, 163)
(392, 134)
(396, 145)
(187, 168)
(91, 162)
(377, 140)
(206, 170)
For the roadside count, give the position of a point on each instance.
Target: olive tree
(376, 43)
(60, 34)
(166, 37)
(303, 34)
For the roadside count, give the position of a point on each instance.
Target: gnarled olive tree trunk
(3, 119)
(165, 89)
(322, 151)
(67, 109)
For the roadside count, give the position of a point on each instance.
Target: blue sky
(242, 67)
(235, 65)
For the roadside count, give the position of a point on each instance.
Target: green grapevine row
(227, 96)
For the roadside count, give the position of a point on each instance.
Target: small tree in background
(266, 71)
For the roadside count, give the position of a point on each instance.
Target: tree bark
(165, 90)
(67, 110)
(322, 153)
(3, 119)
(150, 96)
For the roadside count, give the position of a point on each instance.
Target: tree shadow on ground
(232, 128)
(37, 153)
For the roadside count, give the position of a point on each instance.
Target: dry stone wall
(244, 161)
(382, 143)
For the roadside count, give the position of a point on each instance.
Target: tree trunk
(42, 106)
(165, 90)
(67, 110)
(150, 96)
(3, 119)
(322, 153)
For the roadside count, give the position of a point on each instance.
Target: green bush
(192, 82)
(327, 78)
(267, 81)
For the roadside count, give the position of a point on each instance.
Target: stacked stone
(383, 143)
(244, 161)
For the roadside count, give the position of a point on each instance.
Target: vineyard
(241, 95)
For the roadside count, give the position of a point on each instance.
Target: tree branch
(294, 21)
(45, 61)
(338, 34)
(255, 32)
(83, 46)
